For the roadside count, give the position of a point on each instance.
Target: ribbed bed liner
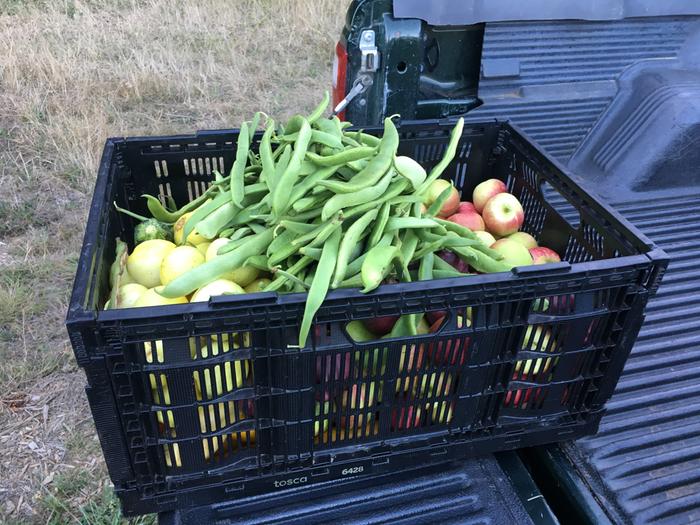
(644, 464)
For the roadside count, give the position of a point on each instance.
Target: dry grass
(71, 74)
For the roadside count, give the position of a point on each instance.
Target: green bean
(436, 206)
(233, 245)
(403, 223)
(314, 253)
(267, 175)
(447, 158)
(279, 281)
(480, 261)
(319, 286)
(408, 248)
(350, 240)
(411, 170)
(377, 167)
(347, 200)
(253, 127)
(425, 271)
(356, 265)
(292, 277)
(300, 228)
(319, 230)
(395, 189)
(228, 232)
(364, 138)
(327, 231)
(306, 203)
(456, 228)
(429, 247)
(280, 197)
(257, 228)
(257, 261)
(307, 215)
(376, 266)
(379, 225)
(281, 166)
(160, 213)
(279, 242)
(170, 204)
(239, 233)
(202, 212)
(286, 251)
(358, 165)
(237, 182)
(294, 124)
(352, 142)
(321, 137)
(320, 109)
(406, 326)
(255, 189)
(351, 282)
(216, 267)
(342, 157)
(311, 182)
(216, 221)
(327, 126)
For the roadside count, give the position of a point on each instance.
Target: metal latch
(368, 66)
(370, 55)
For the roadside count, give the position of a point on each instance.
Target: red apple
(471, 220)
(525, 239)
(381, 325)
(453, 260)
(485, 237)
(542, 255)
(484, 191)
(514, 253)
(503, 215)
(464, 207)
(435, 189)
(434, 317)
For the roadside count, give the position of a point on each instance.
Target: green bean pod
(310, 182)
(202, 212)
(379, 225)
(300, 228)
(319, 286)
(376, 266)
(343, 157)
(215, 268)
(318, 112)
(347, 200)
(281, 280)
(238, 168)
(159, 212)
(425, 271)
(257, 261)
(480, 261)
(377, 167)
(411, 170)
(395, 189)
(350, 240)
(267, 175)
(447, 158)
(436, 206)
(314, 253)
(216, 221)
(404, 223)
(283, 189)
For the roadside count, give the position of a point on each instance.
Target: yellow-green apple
(543, 255)
(503, 215)
(485, 237)
(451, 205)
(470, 219)
(325, 412)
(465, 206)
(513, 252)
(484, 191)
(525, 239)
(538, 341)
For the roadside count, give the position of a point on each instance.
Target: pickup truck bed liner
(644, 463)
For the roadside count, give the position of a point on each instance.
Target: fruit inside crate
(207, 391)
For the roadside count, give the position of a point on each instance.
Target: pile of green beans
(320, 208)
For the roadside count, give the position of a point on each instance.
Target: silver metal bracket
(370, 54)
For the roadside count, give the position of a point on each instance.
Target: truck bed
(644, 463)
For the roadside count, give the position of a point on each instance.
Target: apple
(471, 220)
(513, 252)
(485, 237)
(503, 215)
(484, 191)
(325, 367)
(453, 260)
(435, 189)
(464, 207)
(539, 341)
(543, 255)
(326, 413)
(381, 325)
(525, 239)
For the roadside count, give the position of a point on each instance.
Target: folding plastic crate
(199, 403)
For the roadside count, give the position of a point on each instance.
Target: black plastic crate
(200, 403)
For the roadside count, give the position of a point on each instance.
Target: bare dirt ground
(73, 73)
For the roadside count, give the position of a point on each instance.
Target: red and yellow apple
(485, 237)
(543, 255)
(466, 206)
(451, 205)
(485, 191)
(514, 253)
(470, 219)
(503, 215)
(525, 239)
